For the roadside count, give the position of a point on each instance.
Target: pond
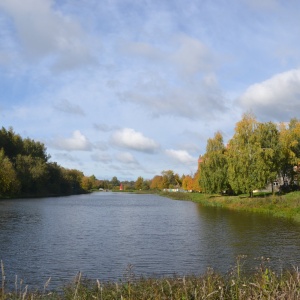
(104, 235)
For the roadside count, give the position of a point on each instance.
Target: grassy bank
(262, 284)
(287, 206)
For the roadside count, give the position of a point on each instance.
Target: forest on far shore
(25, 170)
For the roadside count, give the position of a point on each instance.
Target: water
(102, 234)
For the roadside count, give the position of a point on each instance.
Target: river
(103, 235)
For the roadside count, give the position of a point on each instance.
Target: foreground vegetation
(263, 283)
(286, 205)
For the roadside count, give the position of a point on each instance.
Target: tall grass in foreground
(263, 284)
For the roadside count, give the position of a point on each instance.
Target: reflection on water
(254, 235)
(102, 233)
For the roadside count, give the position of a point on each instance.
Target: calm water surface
(101, 234)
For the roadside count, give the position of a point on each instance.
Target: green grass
(263, 283)
(285, 206)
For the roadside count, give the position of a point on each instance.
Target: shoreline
(281, 206)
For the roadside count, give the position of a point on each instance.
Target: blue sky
(130, 88)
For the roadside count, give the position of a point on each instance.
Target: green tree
(24, 167)
(86, 183)
(169, 179)
(72, 179)
(14, 145)
(139, 183)
(115, 182)
(294, 128)
(213, 168)
(32, 174)
(95, 182)
(146, 185)
(56, 181)
(9, 184)
(35, 149)
(253, 155)
(270, 151)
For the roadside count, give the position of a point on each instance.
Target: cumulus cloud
(276, 98)
(131, 139)
(181, 156)
(45, 32)
(78, 142)
(68, 107)
(126, 158)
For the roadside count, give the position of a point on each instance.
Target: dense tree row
(257, 154)
(169, 180)
(25, 170)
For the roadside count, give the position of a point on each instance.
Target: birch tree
(253, 155)
(213, 168)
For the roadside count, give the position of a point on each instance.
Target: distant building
(174, 190)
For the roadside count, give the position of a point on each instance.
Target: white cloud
(277, 97)
(78, 142)
(181, 156)
(131, 139)
(45, 32)
(126, 158)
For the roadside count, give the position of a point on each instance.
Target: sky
(131, 88)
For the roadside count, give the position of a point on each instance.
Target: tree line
(258, 154)
(25, 170)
